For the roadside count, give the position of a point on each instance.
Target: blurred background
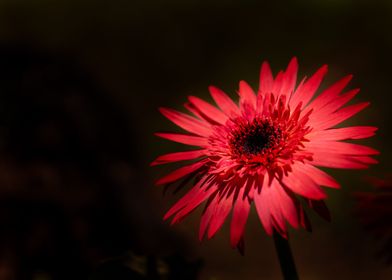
(80, 84)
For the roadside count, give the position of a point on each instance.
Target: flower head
(265, 151)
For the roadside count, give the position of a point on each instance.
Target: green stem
(285, 256)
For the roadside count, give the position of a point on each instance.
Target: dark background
(80, 83)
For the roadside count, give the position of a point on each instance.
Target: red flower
(265, 151)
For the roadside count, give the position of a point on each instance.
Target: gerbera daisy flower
(266, 150)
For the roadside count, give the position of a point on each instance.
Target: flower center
(256, 142)
(252, 139)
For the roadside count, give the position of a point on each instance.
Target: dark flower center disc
(255, 143)
(252, 139)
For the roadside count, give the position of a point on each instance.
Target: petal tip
(161, 181)
(163, 110)
(324, 68)
(166, 216)
(294, 59)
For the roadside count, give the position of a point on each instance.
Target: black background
(80, 84)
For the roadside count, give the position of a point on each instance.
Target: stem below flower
(285, 256)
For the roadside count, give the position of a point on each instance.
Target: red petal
(331, 120)
(335, 147)
(287, 205)
(305, 93)
(366, 160)
(223, 101)
(276, 207)
(200, 187)
(354, 132)
(194, 202)
(240, 215)
(263, 207)
(191, 108)
(186, 122)
(330, 93)
(185, 139)
(206, 217)
(318, 176)
(302, 184)
(173, 157)
(290, 78)
(181, 172)
(247, 95)
(220, 214)
(334, 105)
(208, 110)
(334, 160)
(278, 82)
(266, 78)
